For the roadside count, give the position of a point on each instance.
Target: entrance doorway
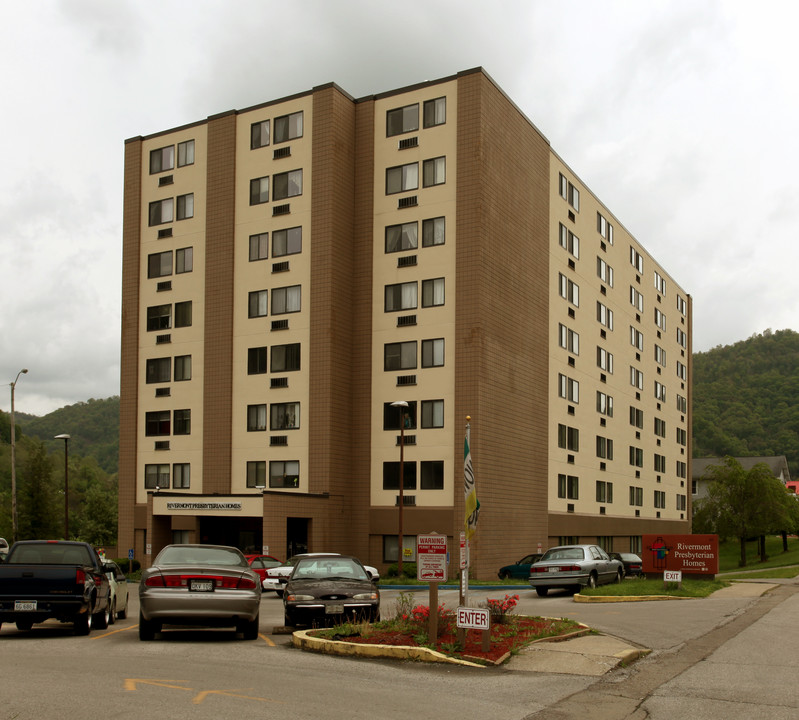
(245, 533)
(296, 536)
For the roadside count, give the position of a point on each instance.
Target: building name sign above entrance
(203, 506)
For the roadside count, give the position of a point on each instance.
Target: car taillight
(182, 581)
(80, 577)
(246, 583)
(570, 568)
(534, 570)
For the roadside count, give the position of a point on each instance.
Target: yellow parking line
(113, 632)
(267, 640)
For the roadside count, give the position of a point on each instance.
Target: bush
(125, 565)
(408, 570)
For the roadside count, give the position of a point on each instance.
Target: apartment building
(292, 270)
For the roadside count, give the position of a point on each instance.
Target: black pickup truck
(43, 579)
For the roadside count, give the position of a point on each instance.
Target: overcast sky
(681, 116)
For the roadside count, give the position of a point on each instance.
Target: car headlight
(299, 598)
(365, 596)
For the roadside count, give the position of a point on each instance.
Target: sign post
(476, 619)
(431, 567)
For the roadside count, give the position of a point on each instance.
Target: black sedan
(326, 589)
(632, 563)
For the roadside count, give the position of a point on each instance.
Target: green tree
(38, 497)
(97, 519)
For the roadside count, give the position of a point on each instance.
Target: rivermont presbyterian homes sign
(690, 554)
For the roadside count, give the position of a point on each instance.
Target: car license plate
(22, 606)
(201, 586)
(334, 609)
(554, 569)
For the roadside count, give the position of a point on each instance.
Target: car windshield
(570, 553)
(328, 568)
(200, 555)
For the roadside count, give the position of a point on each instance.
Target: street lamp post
(14, 459)
(402, 405)
(66, 438)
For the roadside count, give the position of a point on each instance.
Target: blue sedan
(519, 569)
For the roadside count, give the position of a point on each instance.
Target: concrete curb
(625, 598)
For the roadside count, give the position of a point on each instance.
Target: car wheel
(288, 620)
(112, 616)
(147, 629)
(24, 625)
(250, 628)
(591, 581)
(619, 577)
(83, 624)
(100, 619)
(122, 614)
(542, 591)
(504, 575)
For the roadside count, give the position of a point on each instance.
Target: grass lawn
(730, 554)
(641, 586)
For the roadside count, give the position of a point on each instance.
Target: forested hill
(746, 398)
(746, 402)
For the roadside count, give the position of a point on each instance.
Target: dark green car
(520, 569)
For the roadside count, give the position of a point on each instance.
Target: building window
(636, 260)
(256, 360)
(287, 184)
(569, 290)
(569, 487)
(186, 153)
(157, 423)
(434, 171)
(391, 475)
(432, 413)
(284, 473)
(604, 271)
(568, 388)
(159, 264)
(285, 358)
(432, 292)
(636, 338)
(181, 476)
(660, 283)
(569, 193)
(660, 319)
(402, 237)
(604, 315)
(636, 417)
(183, 314)
(682, 436)
(182, 422)
(256, 473)
(682, 338)
(435, 112)
(433, 231)
(288, 127)
(636, 496)
(660, 499)
(636, 378)
(568, 339)
(682, 307)
(392, 416)
(568, 438)
(159, 370)
(287, 242)
(259, 190)
(159, 317)
(433, 353)
(604, 360)
(402, 120)
(259, 134)
(402, 296)
(402, 178)
(660, 427)
(682, 371)
(160, 211)
(604, 228)
(156, 476)
(604, 404)
(184, 260)
(259, 246)
(680, 502)
(286, 300)
(182, 368)
(682, 404)
(660, 356)
(604, 491)
(162, 159)
(256, 418)
(257, 303)
(185, 206)
(660, 463)
(636, 299)
(660, 391)
(681, 470)
(604, 447)
(569, 241)
(284, 416)
(399, 356)
(636, 457)
(432, 475)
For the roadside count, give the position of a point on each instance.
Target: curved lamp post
(403, 406)
(66, 439)
(14, 459)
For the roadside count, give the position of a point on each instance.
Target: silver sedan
(574, 566)
(206, 585)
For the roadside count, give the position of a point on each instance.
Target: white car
(272, 581)
(118, 599)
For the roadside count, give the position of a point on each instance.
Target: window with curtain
(433, 292)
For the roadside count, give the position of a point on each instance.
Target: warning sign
(431, 558)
